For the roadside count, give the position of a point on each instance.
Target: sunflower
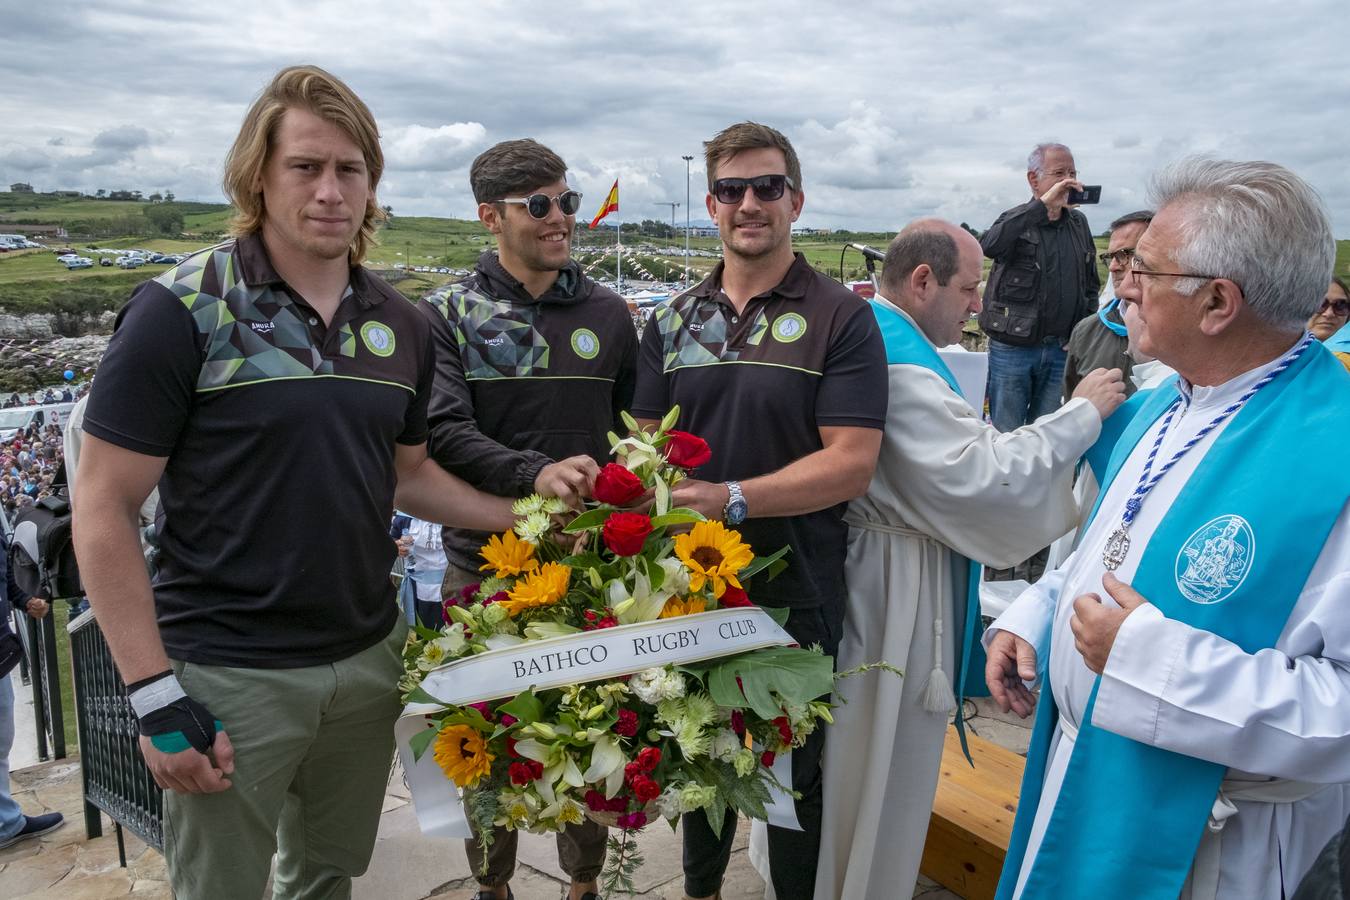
(543, 587)
(712, 553)
(677, 607)
(508, 555)
(462, 754)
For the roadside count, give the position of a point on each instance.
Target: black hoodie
(522, 382)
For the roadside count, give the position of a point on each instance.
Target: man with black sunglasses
(782, 371)
(534, 362)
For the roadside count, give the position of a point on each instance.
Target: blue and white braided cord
(1146, 484)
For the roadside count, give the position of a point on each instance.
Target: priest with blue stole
(1192, 733)
(948, 488)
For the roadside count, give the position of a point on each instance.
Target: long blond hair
(326, 96)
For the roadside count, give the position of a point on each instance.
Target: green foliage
(794, 675)
(623, 860)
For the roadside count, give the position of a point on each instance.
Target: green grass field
(30, 280)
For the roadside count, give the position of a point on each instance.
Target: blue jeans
(11, 817)
(1025, 383)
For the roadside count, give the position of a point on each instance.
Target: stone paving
(405, 866)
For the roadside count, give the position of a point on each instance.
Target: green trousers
(312, 752)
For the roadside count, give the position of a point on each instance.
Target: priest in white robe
(948, 488)
(1193, 727)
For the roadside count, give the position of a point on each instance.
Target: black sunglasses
(537, 204)
(1339, 307)
(767, 188)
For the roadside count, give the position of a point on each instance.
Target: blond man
(276, 392)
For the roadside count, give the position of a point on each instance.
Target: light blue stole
(1340, 341)
(905, 345)
(1098, 456)
(1129, 816)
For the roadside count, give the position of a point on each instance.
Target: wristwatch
(734, 512)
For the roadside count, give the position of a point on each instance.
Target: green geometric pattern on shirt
(347, 341)
(234, 317)
(497, 339)
(696, 334)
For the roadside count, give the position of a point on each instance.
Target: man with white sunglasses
(534, 362)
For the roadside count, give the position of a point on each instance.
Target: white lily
(606, 758)
(535, 750)
(499, 641)
(647, 604)
(540, 631)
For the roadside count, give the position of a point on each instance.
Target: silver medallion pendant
(1117, 548)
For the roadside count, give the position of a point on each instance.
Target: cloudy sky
(899, 109)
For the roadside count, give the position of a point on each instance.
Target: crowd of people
(1187, 661)
(31, 459)
(46, 398)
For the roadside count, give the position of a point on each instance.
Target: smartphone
(1091, 193)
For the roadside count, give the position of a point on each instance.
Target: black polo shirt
(758, 386)
(280, 435)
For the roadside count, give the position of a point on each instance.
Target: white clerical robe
(945, 479)
(1281, 713)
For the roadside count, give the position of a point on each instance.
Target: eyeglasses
(1137, 270)
(767, 188)
(537, 204)
(1339, 307)
(1121, 256)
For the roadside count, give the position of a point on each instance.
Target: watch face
(735, 512)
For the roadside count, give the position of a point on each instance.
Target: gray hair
(1255, 223)
(1036, 161)
(920, 244)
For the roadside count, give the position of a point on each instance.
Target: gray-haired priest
(952, 488)
(1193, 733)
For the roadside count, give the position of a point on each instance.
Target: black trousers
(792, 854)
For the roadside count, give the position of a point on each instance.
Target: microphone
(876, 255)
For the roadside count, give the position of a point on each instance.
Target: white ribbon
(575, 659)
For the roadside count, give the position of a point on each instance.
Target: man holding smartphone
(1044, 280)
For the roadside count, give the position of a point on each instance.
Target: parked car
(130, 262)
(105, 261)
(168, 258)
(78, 262)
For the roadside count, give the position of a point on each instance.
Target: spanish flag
(610, 205)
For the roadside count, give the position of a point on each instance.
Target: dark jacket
(1094, 346)
(522, 382)
(1023, 302)
(11, 595)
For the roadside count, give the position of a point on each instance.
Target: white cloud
(421, 147)
(896, 110)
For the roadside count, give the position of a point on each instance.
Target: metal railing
(116, 780)
(44, 674)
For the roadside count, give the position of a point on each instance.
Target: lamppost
(687, 161)
(672, 204)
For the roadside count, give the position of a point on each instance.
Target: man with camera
(1044, 280)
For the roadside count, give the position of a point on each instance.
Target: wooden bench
(972, 818)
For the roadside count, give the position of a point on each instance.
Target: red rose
(627, 726)
(525, 772)
(644, 789)
(648, 758)
(766, 759)
(784, 728)
(616, 485)
(734, 597)
(624, 533)
(595, 801)
(737, 720)
(688, 451)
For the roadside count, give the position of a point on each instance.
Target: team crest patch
(585, 344)
(788, 328)
(378, 338)
(1215, 560)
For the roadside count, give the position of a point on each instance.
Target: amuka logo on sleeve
(585, 344)
(378, 338)
(787, 328)
(1215, 560)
